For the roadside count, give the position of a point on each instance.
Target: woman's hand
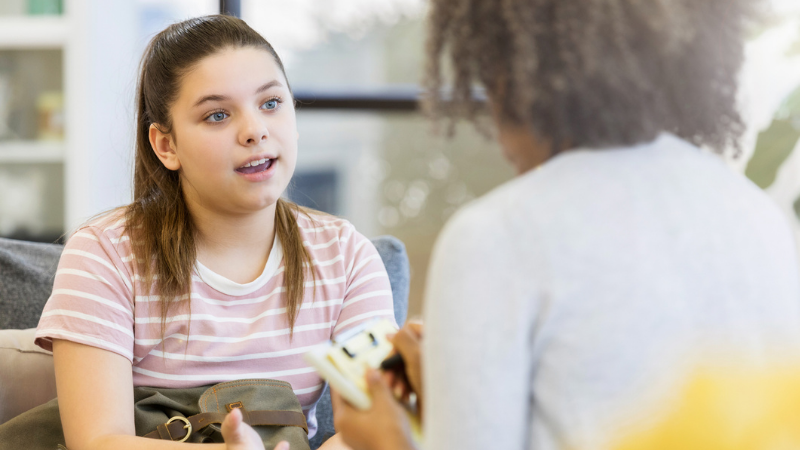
(241, 436)
(383, 427)
(407, 342)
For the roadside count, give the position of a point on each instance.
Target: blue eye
(218, 116)
(271, 104)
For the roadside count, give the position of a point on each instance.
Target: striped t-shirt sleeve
(368, 293)
(92, 298)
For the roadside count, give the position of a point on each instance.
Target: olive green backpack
(190, 415)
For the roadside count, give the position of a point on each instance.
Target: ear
(164, 148)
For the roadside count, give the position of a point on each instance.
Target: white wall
(100, 73)
(101, 65)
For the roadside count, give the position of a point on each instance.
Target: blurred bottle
(50, 109)
(5, 98)
(45, 7)
(22, 205)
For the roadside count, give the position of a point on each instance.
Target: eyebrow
(217, 97)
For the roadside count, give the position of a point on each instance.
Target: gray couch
(26, 279)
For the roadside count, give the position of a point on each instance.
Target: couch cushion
(26, 280)
(395, 259)
(27, 378)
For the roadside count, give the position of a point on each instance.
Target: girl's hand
(383, 427)
(241, 436)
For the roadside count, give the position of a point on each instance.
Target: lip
(263, 175)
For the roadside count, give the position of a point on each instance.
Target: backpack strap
(179, 428)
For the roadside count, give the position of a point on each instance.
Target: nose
(253, 129)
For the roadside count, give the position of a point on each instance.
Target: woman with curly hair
(566, 307)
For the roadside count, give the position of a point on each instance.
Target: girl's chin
(261, 206)
(249, 207)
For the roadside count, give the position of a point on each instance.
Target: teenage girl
(208, 276)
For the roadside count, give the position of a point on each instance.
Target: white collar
(233, 288)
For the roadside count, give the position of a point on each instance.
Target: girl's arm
(95, 397)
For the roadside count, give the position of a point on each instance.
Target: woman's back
(612, 273)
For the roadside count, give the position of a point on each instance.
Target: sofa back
(27, 270)
(26, 280)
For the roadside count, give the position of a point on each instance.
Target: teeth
(256, 163)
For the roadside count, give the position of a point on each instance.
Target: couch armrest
(27, 377)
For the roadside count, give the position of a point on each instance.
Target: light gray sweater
(570, 304)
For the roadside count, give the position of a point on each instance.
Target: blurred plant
(776, 143)
(773, 58)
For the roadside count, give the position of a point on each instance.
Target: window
(355, 66)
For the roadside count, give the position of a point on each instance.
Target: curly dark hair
(593, 73)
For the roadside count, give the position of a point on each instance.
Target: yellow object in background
(732, 409)
(50, 109)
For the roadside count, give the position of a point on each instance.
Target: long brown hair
(594, 74)
(161, 229)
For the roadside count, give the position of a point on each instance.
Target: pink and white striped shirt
(237, 331)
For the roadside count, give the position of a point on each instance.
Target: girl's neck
(234, 246)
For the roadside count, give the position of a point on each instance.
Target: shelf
(31, 152)
(24, 32)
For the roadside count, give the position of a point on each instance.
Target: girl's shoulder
(318, 228)
(312, 221)
(108, 228)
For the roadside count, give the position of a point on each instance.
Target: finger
(397, 383)
(410, 333)
(377, 386)
(391, 378)
(399, 392)
(407, 343)
(343, 412)
(282, 445)
(338, 402)
(415, 326)
(232, 430)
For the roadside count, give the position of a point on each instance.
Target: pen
(394, 363)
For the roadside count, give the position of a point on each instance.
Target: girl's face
(234, 134)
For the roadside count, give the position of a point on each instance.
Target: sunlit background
(67, 81)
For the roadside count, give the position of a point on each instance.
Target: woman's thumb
(376, 385)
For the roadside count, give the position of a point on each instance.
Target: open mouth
(256, 166)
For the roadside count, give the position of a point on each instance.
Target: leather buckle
(187, 427)
(231, 406)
